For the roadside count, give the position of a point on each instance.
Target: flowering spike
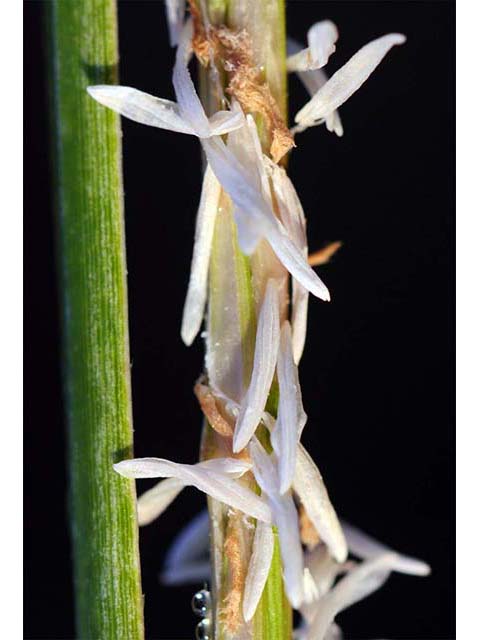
(271, 228)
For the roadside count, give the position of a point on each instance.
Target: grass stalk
(92, 270)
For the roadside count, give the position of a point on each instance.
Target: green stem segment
(83, 47)
(273, 619)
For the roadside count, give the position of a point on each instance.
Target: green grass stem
(92, 270)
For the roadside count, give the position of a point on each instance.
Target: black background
(377, 373)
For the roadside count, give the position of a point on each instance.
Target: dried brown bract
(246, 84)
(322, 256)
(211, 411)
(201, 44)
(235, 554)
(245, 78)
(308, 533)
